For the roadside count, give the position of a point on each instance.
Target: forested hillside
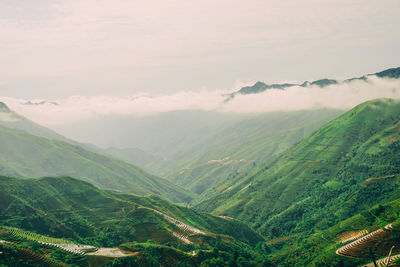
(375, 230)
(215, 164)
(70, 208)
(348, 165)
(73, 216)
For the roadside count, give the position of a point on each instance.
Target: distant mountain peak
(43, 102)
(258, 87)
(393, 73)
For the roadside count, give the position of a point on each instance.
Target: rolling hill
(66, 207)
(67, 218)
(26, 155)
(348, 165)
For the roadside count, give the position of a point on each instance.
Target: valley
(310, 187)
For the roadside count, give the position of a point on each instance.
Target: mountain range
(313, 187)
(348, 165)
(258, 87)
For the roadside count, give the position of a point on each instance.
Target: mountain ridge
(258, 87)
(27, 155)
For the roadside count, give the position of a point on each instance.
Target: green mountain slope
(49, 222)
(325, 178)
(65, 207)
(135, 156)
(221, 160)
(208, 160)
(318, 248)
(26, 155)
(162, 135)
(11, 119)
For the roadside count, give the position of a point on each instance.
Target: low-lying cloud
(78, 108)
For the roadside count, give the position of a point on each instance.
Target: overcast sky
(58, 48)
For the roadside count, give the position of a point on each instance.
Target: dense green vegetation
(26, 155)
(67, 210)
(72, 209)
(318, 248)
(325, 178)
(211, 252)
(223, 159)
(344, 177)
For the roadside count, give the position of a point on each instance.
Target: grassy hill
(26, 155)
(348, 165)
(223, 159)
(24, 248)
(65, 207)
(71, 212)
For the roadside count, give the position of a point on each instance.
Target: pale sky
(57, 48)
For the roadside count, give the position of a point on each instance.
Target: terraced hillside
(376, 229)
(324, 178)
(360, 246)
(31, 249)
(23, 248)
(68, 208)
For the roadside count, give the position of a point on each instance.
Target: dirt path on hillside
(112, 253)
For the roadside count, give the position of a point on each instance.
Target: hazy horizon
(56, 49)
(64, 111)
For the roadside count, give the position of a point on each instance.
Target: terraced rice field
(358, 247)
(72, 248)
(384, 262)
(185, 230)
(351, 235)
(21, 234)
(29, 255)
(182, 237)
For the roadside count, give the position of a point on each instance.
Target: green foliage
(24, 255)
(318, 248)
(348, 165)
(68, 208)
(13, 233)
(215, 253)
(223, 159)
(26, 155)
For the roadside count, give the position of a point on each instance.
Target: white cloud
(80, 108)
(340, 96)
